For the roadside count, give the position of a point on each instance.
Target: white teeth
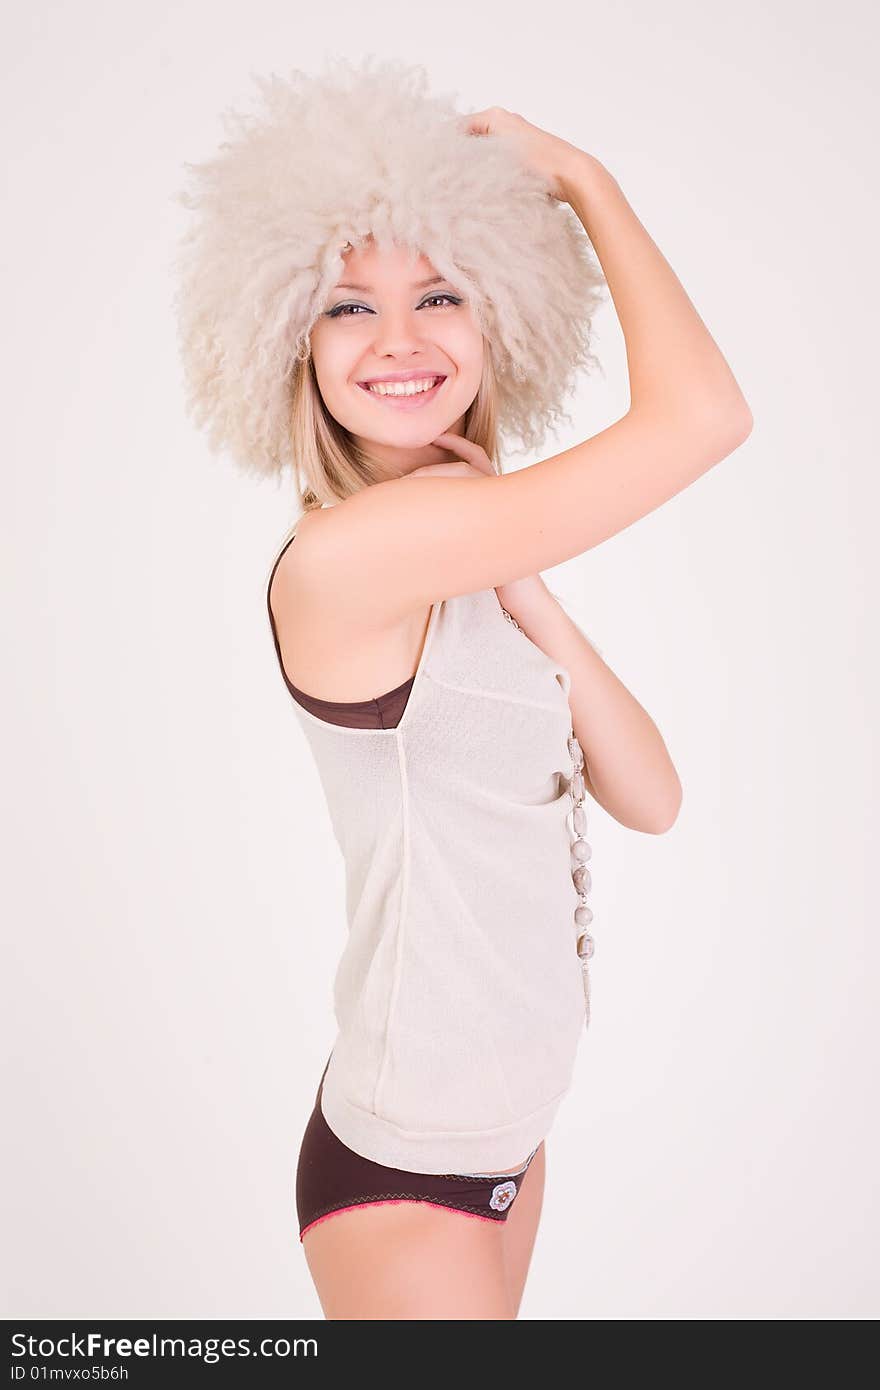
(403, 388)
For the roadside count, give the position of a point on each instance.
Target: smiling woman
(398, 367)
(340, 320)
(457, 796)
(278, 264)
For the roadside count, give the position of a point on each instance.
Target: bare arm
(676, 370)
(627, 767)
(391, 548)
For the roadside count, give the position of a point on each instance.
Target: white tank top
(460, 997)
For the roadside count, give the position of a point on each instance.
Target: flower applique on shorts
(503, 1194)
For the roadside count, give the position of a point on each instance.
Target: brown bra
(383, 712)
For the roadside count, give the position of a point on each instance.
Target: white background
(173, 895)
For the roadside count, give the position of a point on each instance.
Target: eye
(451, 298)
(340, 311)
(347, 311)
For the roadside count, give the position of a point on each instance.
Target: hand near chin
(475, 463)
(472, 460)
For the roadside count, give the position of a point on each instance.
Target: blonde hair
(329, 161)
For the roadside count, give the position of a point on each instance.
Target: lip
(416, 402)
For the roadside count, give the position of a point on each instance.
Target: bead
(575, 831)
(582, 879)
(510, 618)
(581, 851)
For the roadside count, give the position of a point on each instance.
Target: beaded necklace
(576, 821)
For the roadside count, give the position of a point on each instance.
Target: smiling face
(391, 320)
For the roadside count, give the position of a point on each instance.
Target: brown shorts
(331, 1178)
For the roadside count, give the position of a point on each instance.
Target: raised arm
(676, 370)
(392, 548)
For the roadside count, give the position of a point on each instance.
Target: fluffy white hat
(329, 160)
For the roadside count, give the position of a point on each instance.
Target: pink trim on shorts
(395, 1201)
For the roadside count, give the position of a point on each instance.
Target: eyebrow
(368, 289)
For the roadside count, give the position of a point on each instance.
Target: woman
(394, 345)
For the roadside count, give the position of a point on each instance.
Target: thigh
(519, 1231)
(408, 1260)
(387, 1243)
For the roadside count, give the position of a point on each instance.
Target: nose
(397, 332)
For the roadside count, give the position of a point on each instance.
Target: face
(384, 320)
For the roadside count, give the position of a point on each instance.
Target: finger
(466, 449)
(477, 122)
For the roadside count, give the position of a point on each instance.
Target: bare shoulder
(306, 627)
(385, 553)
(326, 647)
(299, 590)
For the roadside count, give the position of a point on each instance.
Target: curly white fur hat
(331, 160)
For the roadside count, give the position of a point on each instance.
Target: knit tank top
(462, 991)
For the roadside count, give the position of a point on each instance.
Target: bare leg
(521, 1227)
(408, 1260)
